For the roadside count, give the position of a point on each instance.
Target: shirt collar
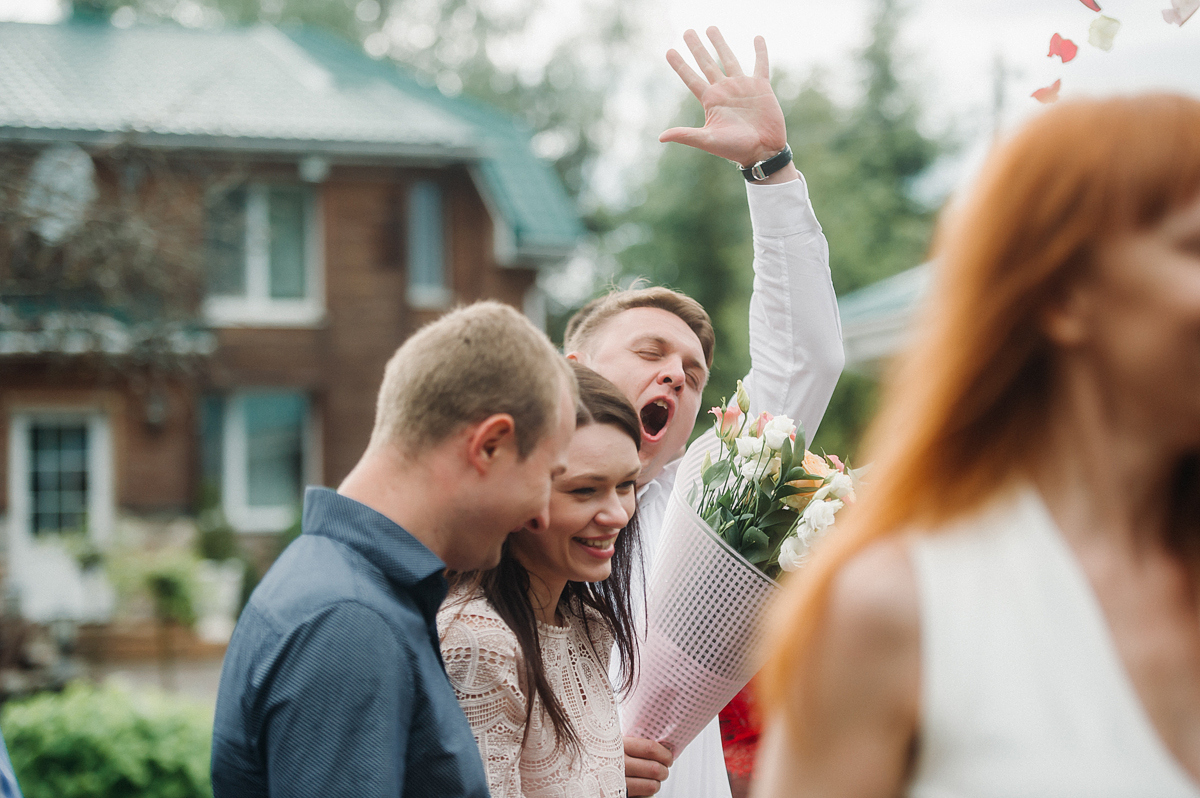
(403, 559)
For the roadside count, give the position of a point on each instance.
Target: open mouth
(654, 418)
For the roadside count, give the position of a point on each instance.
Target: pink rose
(728, 420)
(763, 418)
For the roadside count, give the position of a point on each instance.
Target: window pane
(275, 448)
(286, 210)
(426, 268)
(212, 431)
(225, 244)
(58, 477)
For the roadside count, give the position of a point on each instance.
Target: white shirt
(1023, 691)
(796, 357)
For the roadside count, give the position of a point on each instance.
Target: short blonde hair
(472, 363)
(582, 327)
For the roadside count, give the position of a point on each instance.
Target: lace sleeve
(482, 661)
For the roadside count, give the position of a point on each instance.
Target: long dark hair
(506, 587)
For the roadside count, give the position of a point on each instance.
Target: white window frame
(256, 308)
(101, 485)
(235, 459)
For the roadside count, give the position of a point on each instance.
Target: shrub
(89, 742)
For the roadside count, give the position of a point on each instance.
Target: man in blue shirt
(333, 684)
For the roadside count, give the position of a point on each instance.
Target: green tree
(695, 238)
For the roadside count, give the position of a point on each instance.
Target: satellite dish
(62, 184)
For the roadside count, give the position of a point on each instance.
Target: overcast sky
(950, 50)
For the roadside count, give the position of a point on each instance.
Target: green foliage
(168, 577)
(172, 586)
(860, 163)
(696, 239)
(104, 743)
(851, 408)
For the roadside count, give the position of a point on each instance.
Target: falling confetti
(1065, 48)
(1093, 5)
(1102, 31)
(1181, 12)
(1048, 94)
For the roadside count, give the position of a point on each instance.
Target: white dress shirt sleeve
(796, 353)
(796, 357)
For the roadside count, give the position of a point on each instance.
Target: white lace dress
(483, 661)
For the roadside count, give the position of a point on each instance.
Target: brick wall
(340, 362)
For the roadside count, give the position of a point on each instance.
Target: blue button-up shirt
(333, 684)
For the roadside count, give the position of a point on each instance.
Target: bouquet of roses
(747, 504)
(769, 502)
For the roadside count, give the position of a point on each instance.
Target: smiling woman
(527, 644)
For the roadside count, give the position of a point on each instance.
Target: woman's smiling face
(589, 505)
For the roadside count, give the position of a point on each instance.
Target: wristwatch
(764, 169)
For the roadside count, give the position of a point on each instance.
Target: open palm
(742, 118)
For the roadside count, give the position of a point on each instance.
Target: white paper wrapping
(705, 609)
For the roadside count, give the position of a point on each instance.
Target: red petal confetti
(1048, 94)
(1092, 4)
(1063, 48)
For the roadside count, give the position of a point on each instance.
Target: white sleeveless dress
(1022, 690)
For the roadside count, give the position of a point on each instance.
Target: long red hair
(965, 407)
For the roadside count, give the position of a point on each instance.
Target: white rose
(792, 553)
(749, 447)
(817, 516)
(840, 485)
(778, 430)
(760, 465)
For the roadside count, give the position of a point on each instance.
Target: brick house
(338, 203)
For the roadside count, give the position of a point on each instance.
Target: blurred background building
(213, 241)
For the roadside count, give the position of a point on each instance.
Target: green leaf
(784, 491)
(755, 545)
(717, 472)
(799, 473)
(785, 456)
(781, 516)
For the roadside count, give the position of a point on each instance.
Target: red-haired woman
(1014, 609)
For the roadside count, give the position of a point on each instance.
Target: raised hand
(742, 118)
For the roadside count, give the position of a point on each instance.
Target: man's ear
(488, 438)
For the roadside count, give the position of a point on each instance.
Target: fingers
(728, 59)
(636, 787)
(762, 68)
(646, 764)
(703, 59)
(638, 748)
(691, 136)
(696, 84)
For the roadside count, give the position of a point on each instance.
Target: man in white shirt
(658, 350)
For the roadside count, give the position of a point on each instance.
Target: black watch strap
(764, 169)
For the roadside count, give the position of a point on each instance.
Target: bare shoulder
(851, 731)
(873, 598)
(868, 651)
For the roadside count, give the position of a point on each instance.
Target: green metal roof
(897, 295)
(876, 320)
(266, 89)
